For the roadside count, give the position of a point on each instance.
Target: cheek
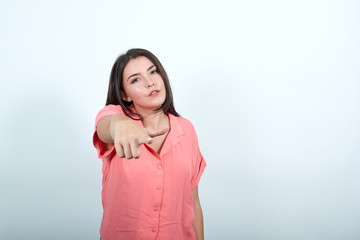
(130, 90)
(133, 94)
(161, 83)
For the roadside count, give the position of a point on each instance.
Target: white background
(272, 88)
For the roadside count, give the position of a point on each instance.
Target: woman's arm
(126, 135)
(198, 223)
(106, 127)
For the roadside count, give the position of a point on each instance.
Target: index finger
(146, 140)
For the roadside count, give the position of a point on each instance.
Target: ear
(124, 96)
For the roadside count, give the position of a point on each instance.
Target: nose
(149, 82)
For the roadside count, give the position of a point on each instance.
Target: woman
(151, 159)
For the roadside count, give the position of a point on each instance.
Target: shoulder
(112, 109)
(183, 125)
(184, 122)
(107, 111)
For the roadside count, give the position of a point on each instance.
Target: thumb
(154, 133)
(157, 132)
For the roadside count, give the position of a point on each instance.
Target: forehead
(137, 65)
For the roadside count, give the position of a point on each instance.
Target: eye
(154, 71)
(135, 80)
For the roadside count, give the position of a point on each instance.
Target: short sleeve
(200, 164)
(199, 169)
(101, 147)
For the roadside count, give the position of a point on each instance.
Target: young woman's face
(143, 84)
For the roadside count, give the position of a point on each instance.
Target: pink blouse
(150, 197)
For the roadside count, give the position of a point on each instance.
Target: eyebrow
(135, 74)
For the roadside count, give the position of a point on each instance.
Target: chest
(175, 161)
(158, 142)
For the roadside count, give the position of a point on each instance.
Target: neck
(155, 120)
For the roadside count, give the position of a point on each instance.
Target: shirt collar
(172, 138)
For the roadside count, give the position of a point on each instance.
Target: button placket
(158, 188)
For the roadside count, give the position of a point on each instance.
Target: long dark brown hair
(116, 83)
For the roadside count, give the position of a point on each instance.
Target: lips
(154, 93)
